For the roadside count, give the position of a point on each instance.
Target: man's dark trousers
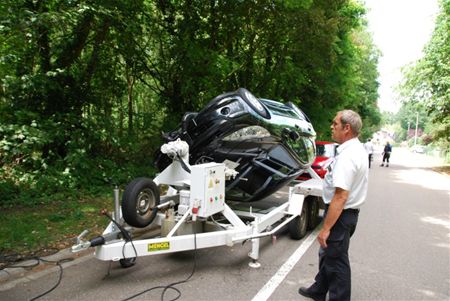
(334, 274)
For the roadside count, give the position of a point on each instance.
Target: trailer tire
(139, 199)
(299, 225)
(127, 262)
(313, 212)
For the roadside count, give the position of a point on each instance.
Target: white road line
(267, 290)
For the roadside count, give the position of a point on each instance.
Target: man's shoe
(382, 165)
(315, 296)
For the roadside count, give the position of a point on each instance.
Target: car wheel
(139, 199)
(313, 212)
(298, 226)
(254, 103)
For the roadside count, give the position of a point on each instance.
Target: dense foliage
(88, 86)
(427, 82)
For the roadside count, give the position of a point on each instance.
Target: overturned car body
(268, 143)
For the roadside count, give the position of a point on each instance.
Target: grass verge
(445, 169)
(30, 230)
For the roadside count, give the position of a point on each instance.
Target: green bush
(45, 161)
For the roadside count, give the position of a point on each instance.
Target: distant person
(344, 192)
(386, 154)
(369, 149)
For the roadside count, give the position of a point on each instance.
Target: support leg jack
(254, 264)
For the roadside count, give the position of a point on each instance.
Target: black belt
(353, 210)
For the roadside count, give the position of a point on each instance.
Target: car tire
(254, 103)
(139, 199)
(313, 212)
(299, 225)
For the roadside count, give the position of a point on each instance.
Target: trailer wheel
(313, 213)
(127, 262)
(139, 199)
(299, 225)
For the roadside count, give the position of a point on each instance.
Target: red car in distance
(325, 151)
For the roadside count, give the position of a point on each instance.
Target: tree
(89, 85)
(427, 81)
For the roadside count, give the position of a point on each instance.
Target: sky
(400, 29)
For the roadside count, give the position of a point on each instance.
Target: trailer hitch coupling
(83, 245)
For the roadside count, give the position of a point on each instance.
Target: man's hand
(322, 238)
(334, 211)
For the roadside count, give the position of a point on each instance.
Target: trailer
(194, 213)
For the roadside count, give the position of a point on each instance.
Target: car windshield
(325, 150)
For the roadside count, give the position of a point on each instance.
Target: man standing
(386, 154)
(344, 191)
(369, 149)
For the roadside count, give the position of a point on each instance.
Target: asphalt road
(400, 251)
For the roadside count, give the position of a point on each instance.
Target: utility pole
(417, 126)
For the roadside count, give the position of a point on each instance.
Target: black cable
(171, 286)
(9, 261)
(183, 164)
(58, 263)
(125, 233)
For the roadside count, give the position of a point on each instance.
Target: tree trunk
(130, 83)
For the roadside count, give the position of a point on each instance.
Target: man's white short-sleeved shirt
(369, 147)
(349, 171)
